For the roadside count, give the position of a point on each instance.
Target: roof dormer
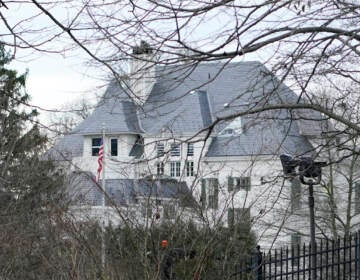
(233, 128)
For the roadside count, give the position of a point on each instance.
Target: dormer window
(234, 128)
(95, 146)
(114, 147)
(228, 131)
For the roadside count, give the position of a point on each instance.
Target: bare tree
(303, 44)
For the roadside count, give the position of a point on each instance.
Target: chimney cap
(143, 48)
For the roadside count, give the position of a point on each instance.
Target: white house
(170, 124)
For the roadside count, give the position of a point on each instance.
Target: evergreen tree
(30, 196)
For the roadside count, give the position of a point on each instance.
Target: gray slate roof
(185, 100)
(84, 191)
(67, 147)
(262, 136)
(116, 112)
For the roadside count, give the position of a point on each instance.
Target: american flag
(100, 160)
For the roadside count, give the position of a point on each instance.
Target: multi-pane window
(114, 147)
(295, 239)
(210, 186)
(295, 194)
(160, 149)
(169, 210)
(240, 217)
(175, 169)
(95, 146)
(190, 149)
(239, 183)
(146, 210)
(160, 168)
(189, 168)
(357, 197)
(175, 149)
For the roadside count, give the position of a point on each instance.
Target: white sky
(54, 81)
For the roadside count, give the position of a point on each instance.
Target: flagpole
(103, 200)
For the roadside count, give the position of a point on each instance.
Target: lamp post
(309, 172)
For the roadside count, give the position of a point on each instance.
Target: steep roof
(186, 99)
(116, 112)
(66, 147)
(262, 135)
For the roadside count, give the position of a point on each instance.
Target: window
(175, 169)
(146, 210)
(175, 149)
(189, 168)
(234, 128)
(295, 239)
(114, 147)
(160, 168)
(295, 244)
(203, 194)
(190, 149)
(95, 146)
(239, 183)
(357, 197)
(160, 149)
(169, 210)
(295, 194)
(211, 187)
(239, 216)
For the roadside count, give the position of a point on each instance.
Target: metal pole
(312, 232)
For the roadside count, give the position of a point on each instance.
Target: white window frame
(159, 168)
(95, 146)
(240, 183)
(175, 168)
(189, 168)
(111, 147)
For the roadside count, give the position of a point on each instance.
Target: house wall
(269, 197)
(150, 153)
(120, 166)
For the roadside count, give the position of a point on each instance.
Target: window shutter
(248, 183)
(231, 217)
(216, 193)
(203, 193)
(230, 183)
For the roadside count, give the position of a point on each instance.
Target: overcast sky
(56, 79)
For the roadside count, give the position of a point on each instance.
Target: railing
(338, 259)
